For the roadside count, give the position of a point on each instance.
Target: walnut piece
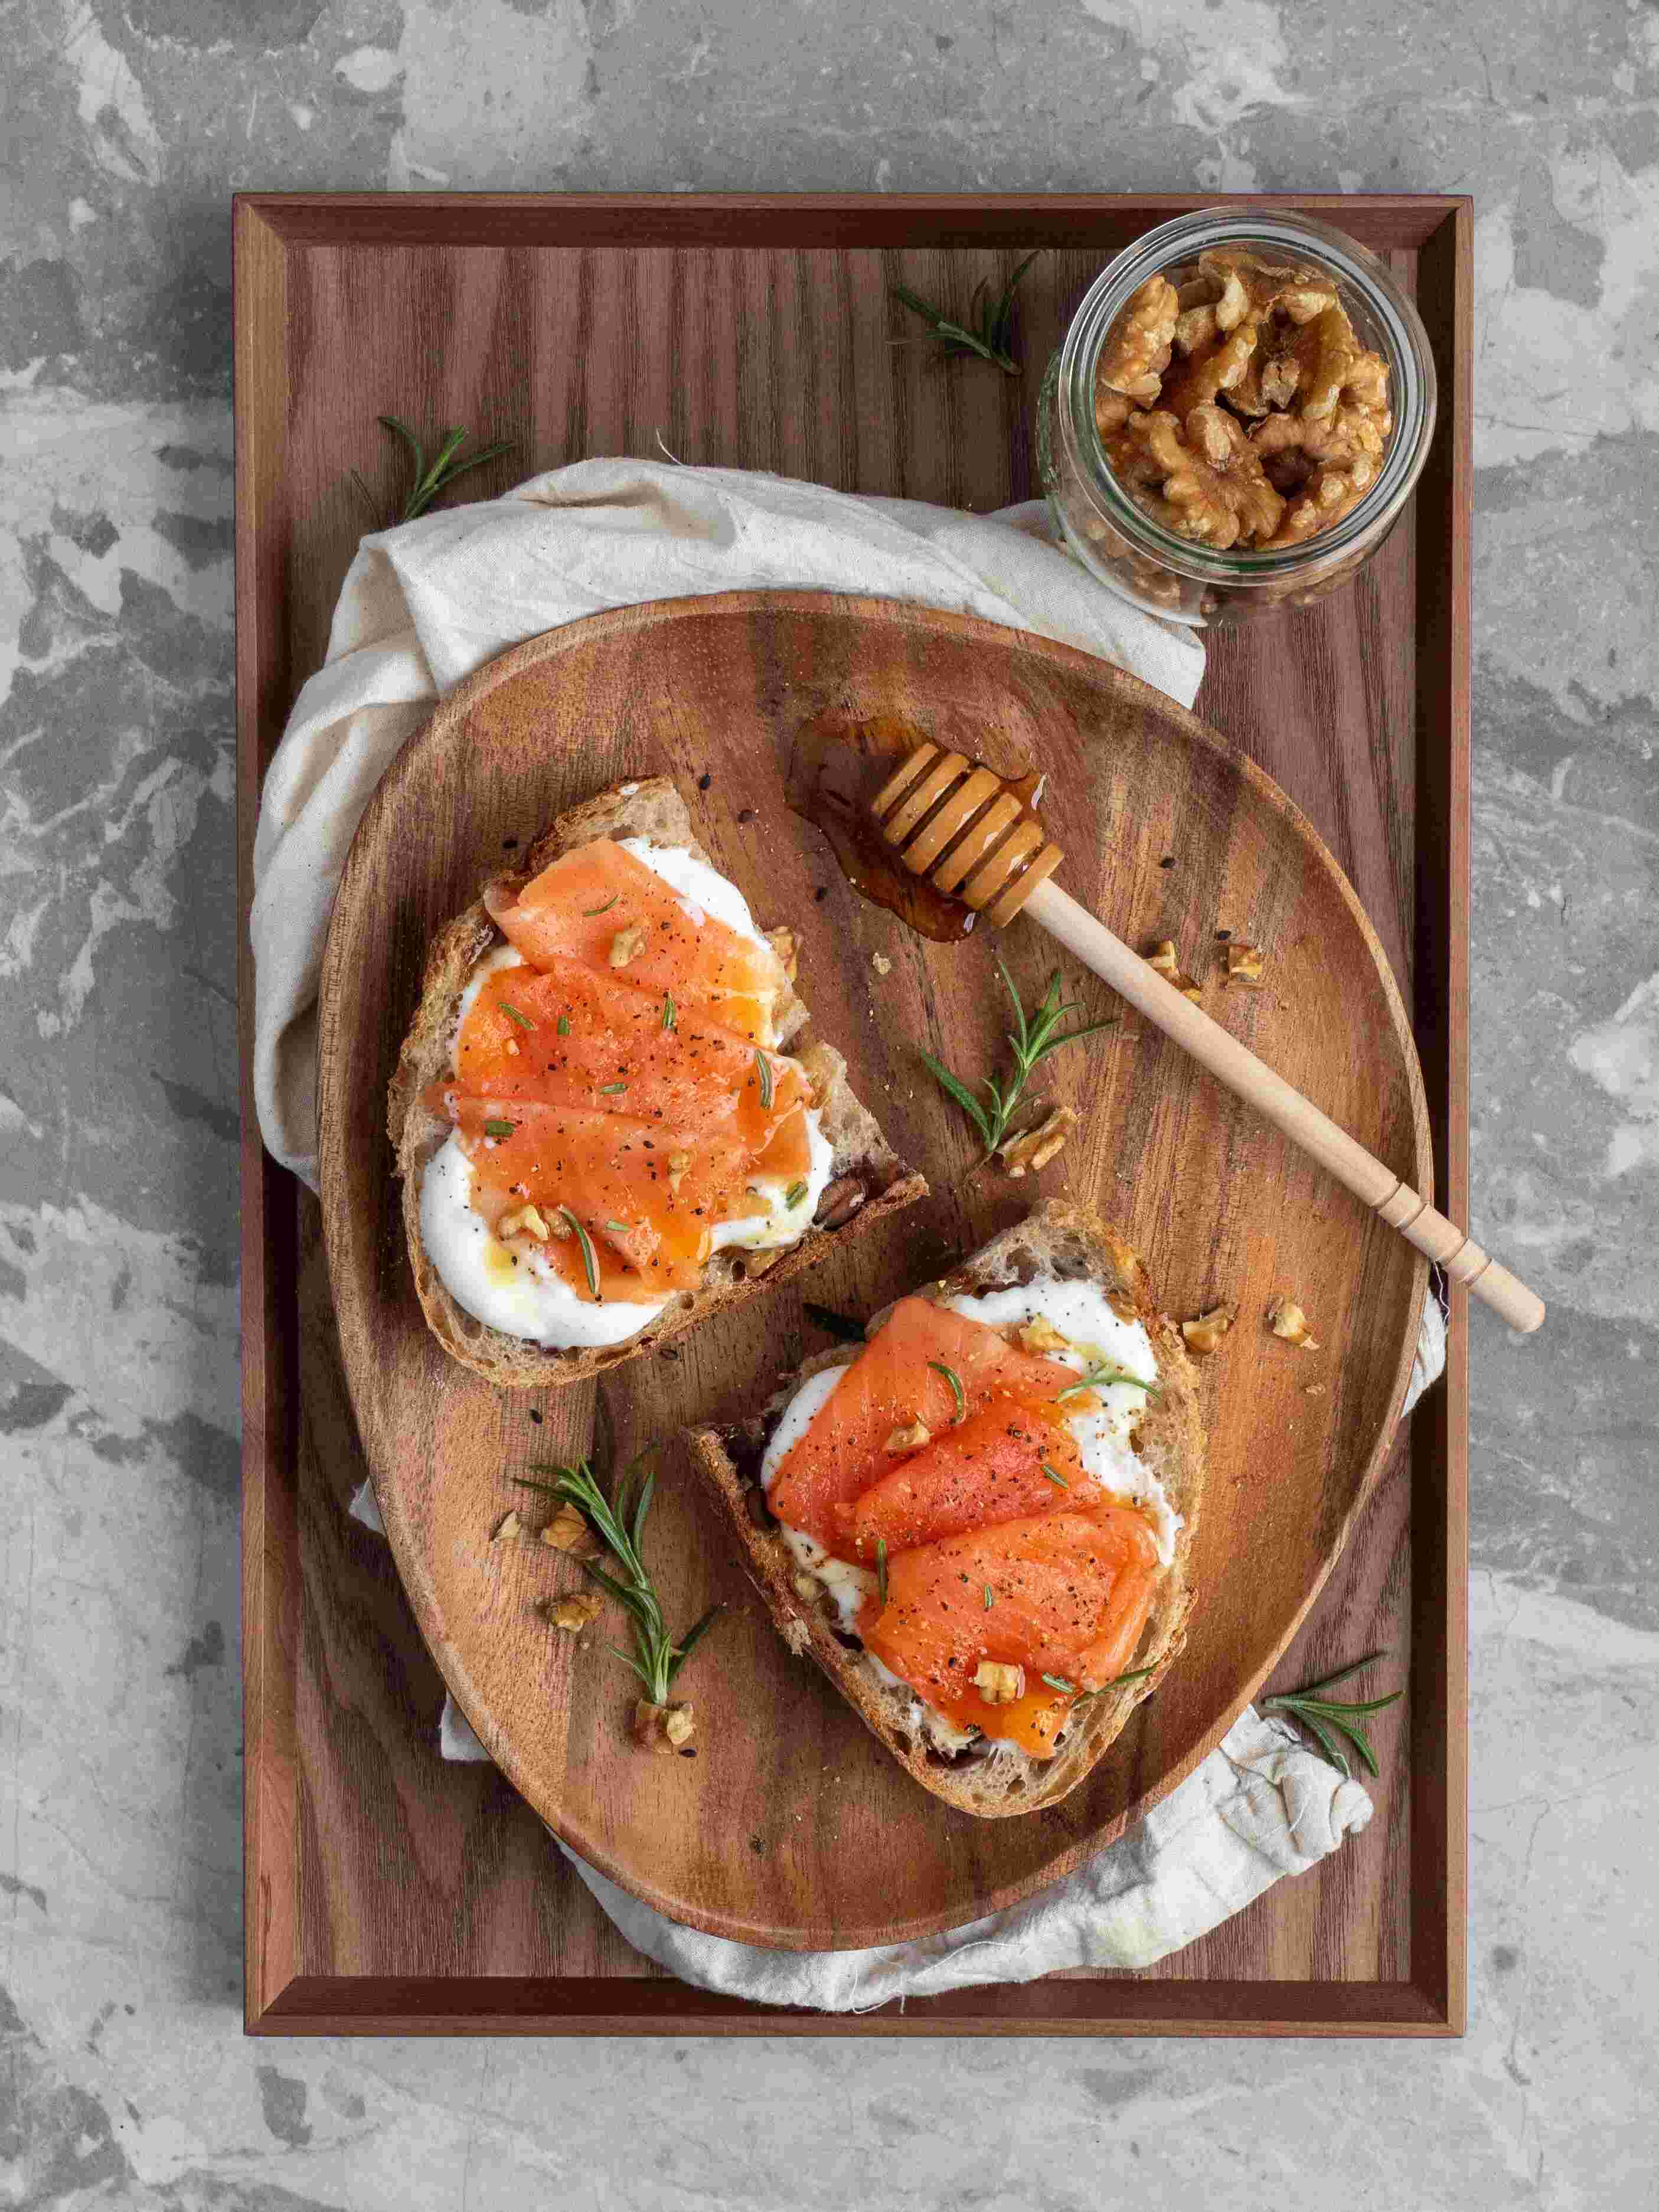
(1209, 374)
(1253, 286)
(999, 1684)
(910, 1438)
(1168, 967)
(881, 964)
(1204, 1335)
(806, 1586)
(662, 1729)
(1137, 349)
(1243, 962)
(1332, 491)
(1286, 1319)
(1041, 1335)
(507, 1530)
(569, 1532)
(572, 1612)
(678, 1165)
(522, 1218)
(1112, 411)
(1034, 1148)
(1212, 476)
(628, 945)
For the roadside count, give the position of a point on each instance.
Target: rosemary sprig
(988, 332)
(763, 1073)
(619, 1524)
(1060, 1683)
(1319, 1715)
(514, 1015)
(1102, 1378)
(669, 1011)
(1032, 1038)
(796, 1192)
(429, 479)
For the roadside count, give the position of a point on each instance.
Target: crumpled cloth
(424, 606)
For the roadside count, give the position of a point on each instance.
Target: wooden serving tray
(384, 1890)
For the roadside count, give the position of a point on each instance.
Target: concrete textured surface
(123, 125)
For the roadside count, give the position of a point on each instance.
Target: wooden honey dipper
(956, 825)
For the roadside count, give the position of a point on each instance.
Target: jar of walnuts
(1241, 407)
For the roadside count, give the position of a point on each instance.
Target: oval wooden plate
(791, 1827)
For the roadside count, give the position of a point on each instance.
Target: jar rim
(1411, 368)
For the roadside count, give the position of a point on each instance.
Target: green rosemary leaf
(590, 1263)
(764, 1072)
(669, 1012)
(1103, 1378)
(588, 911)
(500, 1128)
(990, 1597)
(881, 1569)
(693, 1637)
(606, 1089)
(793, 1195)
(955, 1382)
(1060, 1683)
(564, 1024)
(964, 1097)
(512, 1014)
(1052, 1476)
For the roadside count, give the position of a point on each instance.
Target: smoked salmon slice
(1012, 1457)
(1063, 1594)
(601, 906)
(566, 1036)
(648, 1207)
(897, 1379)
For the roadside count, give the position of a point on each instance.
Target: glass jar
(1128, 549)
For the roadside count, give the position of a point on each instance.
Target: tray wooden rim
(278, 2000)
(574, 637)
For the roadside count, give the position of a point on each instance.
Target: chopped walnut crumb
(911, 1438)
(881, 964)
(1168, 967)
(805, 1587)
(1286, 1319)
(999, 1684)
(1041, 1335)
(1034, 1148)
(678, 1166)
(569, 1532)
(1244, 963)
(628, 945)
(522, 1218)
(1205, 1335)
(572, 1612)
(661, 1729)
(508, 1528)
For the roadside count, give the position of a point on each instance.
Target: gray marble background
(125, 124)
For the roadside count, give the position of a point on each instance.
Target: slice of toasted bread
(992, 1780)
(867, 1179)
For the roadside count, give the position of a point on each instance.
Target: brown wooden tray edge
(1433, 2002)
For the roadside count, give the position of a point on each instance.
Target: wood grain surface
(792, 1826)
(386, 1891)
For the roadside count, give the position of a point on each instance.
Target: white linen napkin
(424, 604)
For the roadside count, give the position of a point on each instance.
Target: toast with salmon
(946, 1516)
(609, 1067)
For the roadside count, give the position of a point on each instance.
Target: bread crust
(1054, 1238)
(653, 808)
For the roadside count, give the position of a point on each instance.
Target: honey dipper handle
(1253, 1080)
